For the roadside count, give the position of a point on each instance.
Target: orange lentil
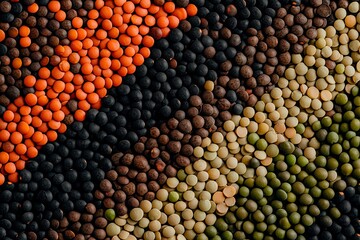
(4, 157)
(14, 177)
(44, 141)
(114, 32)
(105, 63)
(80, 94)
(20, 149)
(16, 137)
(24, 31)
(148, 41)
(165, 32)
(40, 85)
(54, 125)
(117, 20)
(99, 82)
(145, 3)
(104, 53)
(150, 20)
(46, 115)
(19, 102)
(132, 31)
(69, 88)
(74, 58)
(43, 100)
(8, 116)
(97, 70)
(86, 68)
(84, 105)
(135, 19)
(107, 72)
(2, 179)
(64, 97)
(44, 73)
(106, 12)
(130, 51)
(43, 127)
(12, 107)
(2, 35)
(169, 7)
(60, 15)
(32, 152)
(23, 127)
(4, 135)
(55, 105)
(138, 59)
(82, 34)
(68, 77)
(92, 98)
(29, 133)
(131, 69)
(20, 164)
(64, 66)
(173, 21)
(25, 110)
(25, 41)
(51, 135)
(113, 45)
(88, 87)
(119, 2)
(37, 136)
(126, 17)
(27, 119)
(137, 40)
(101, 34)
(29, 81)
(124, 39)
(128, 7)
(115, 64)
(106, 25)
(160, 13)
(191, 9)
(33, 8)
(10, 167)
(144, 30)
(101, 92)
(72, 34)
(58, 86)
(45, 61)
(180, 13)
(11, 127)
(62, 128)
(125, 61)
(77, 22)
(17, 118)
(122, 71)
(54, 6)
(59, 115)
(92, 24)
(162, 22)
(79, 115)
(142, 12)
(153, 9)
(36, 122)
(145, 51)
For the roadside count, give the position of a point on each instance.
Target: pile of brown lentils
(243, 123)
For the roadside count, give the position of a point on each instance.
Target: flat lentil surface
(184, 119)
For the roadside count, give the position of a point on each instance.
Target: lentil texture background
(183, 119)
